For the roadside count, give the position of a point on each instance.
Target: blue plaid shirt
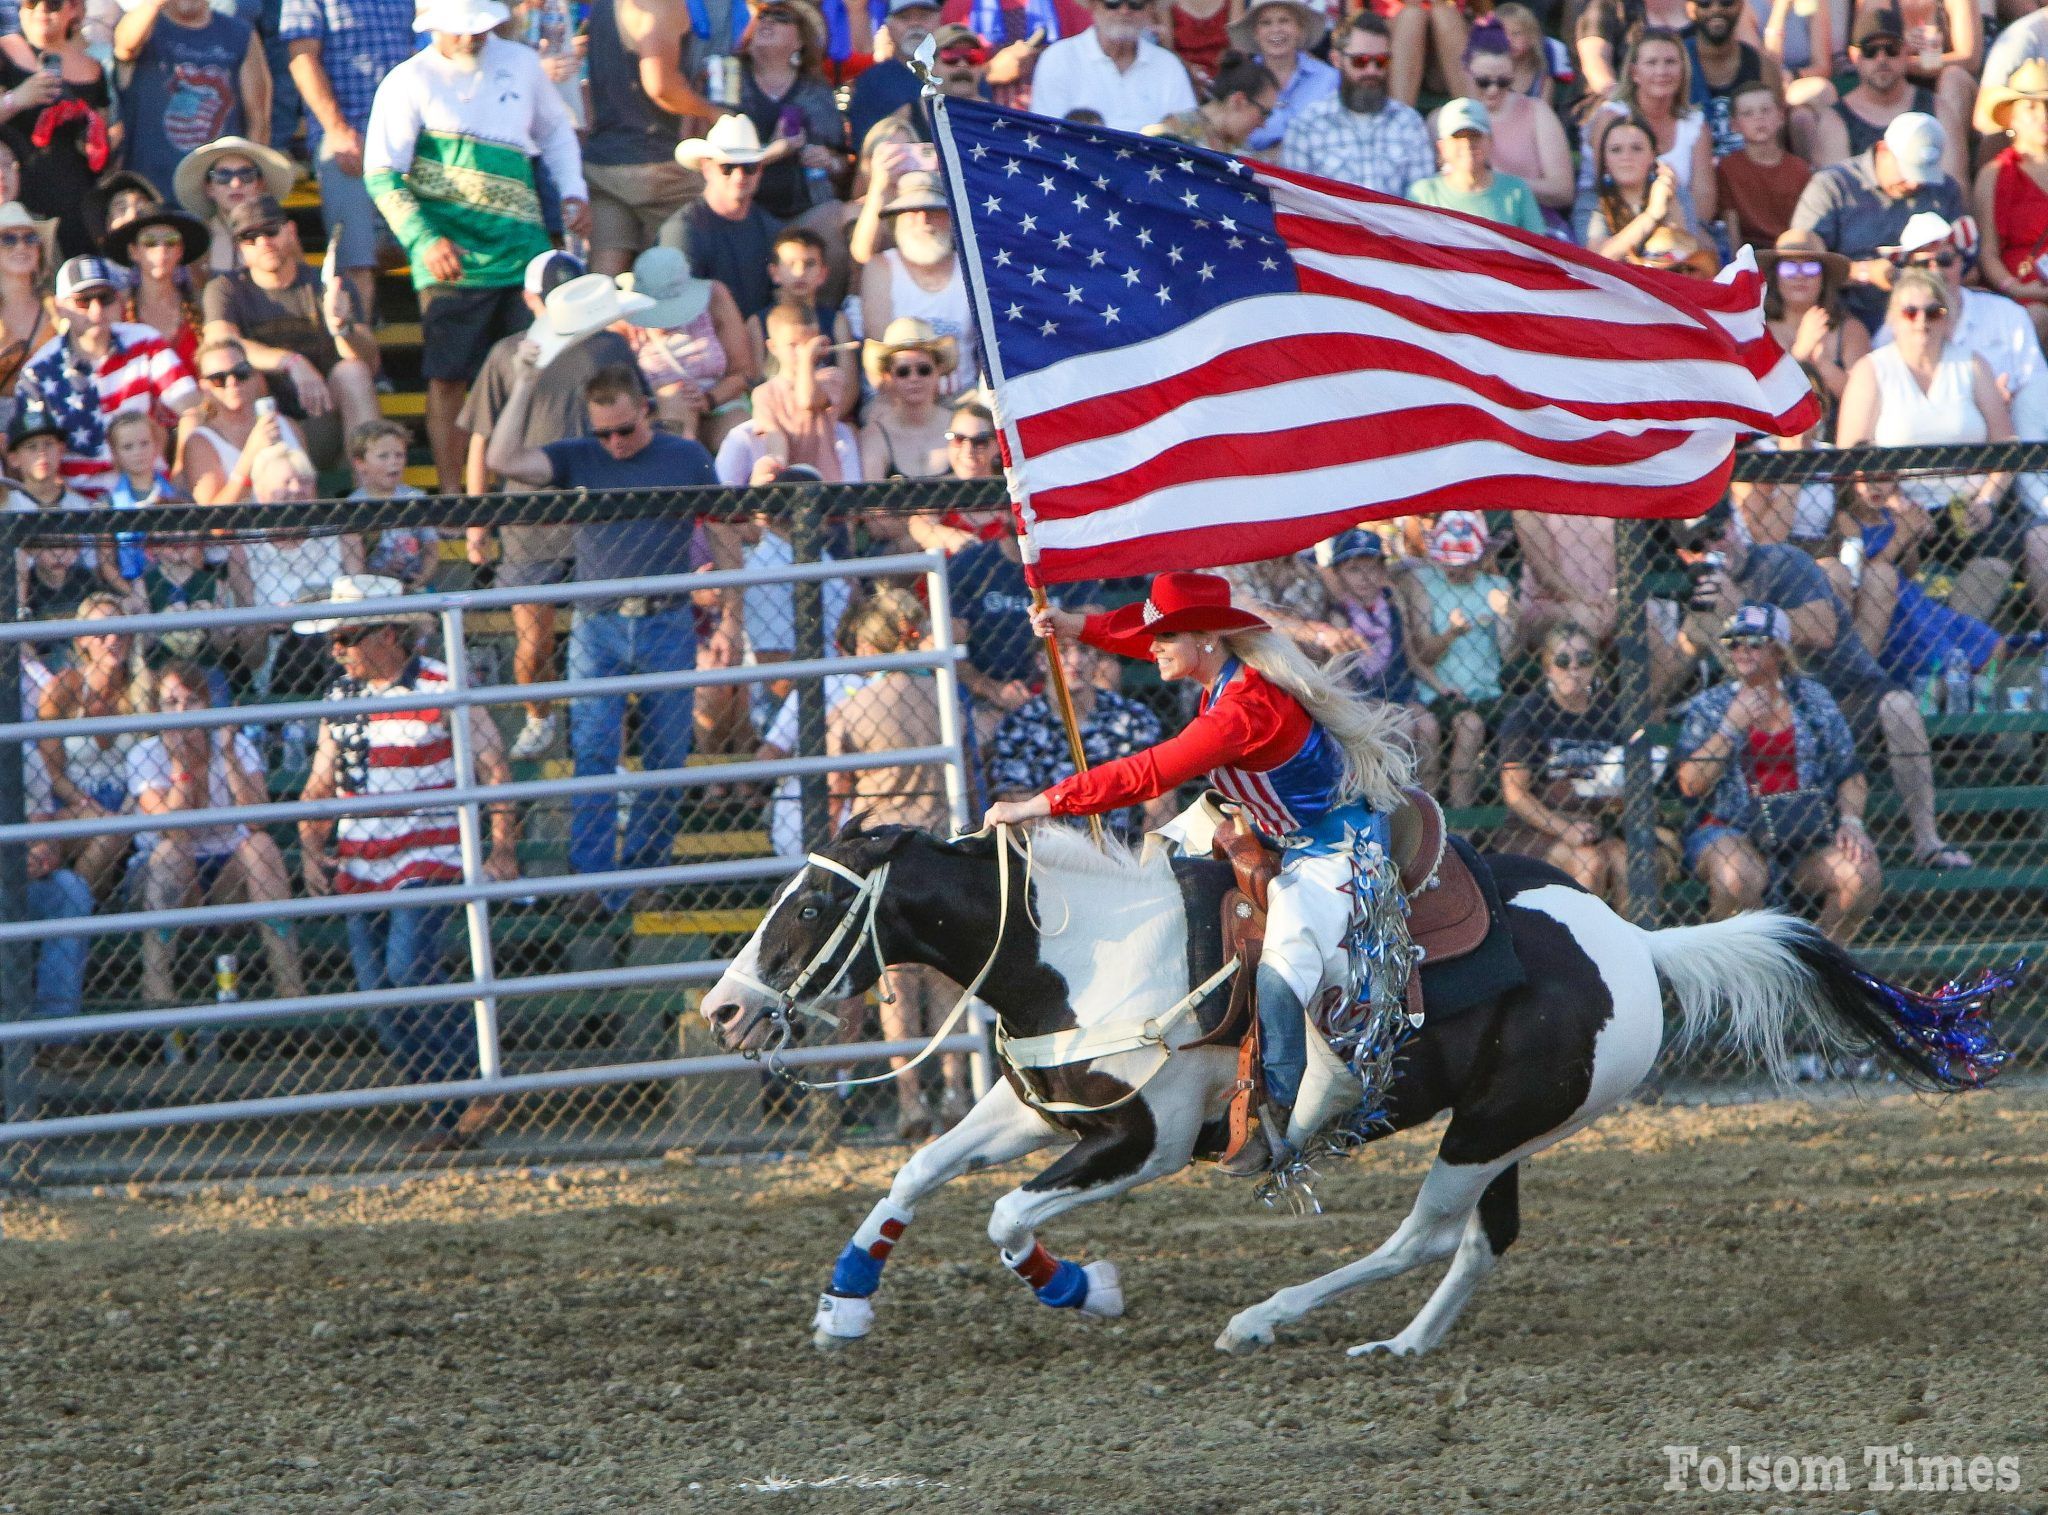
(360, 42)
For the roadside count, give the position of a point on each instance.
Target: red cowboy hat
(1183, 602)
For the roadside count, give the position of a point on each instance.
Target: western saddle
(1447, 918)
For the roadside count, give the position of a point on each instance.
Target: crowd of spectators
(658, 243)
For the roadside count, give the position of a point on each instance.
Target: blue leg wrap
(856, 1273)
(1068, 1289)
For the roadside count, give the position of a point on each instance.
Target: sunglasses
(1923, 312)
(1947, 258)
(48, 5)
(972, 438)
(1484, 82)
(1800, 268)
(19, 239)
(913, 371)
(611, 433)
(349, 636)
(1123, 5)
(1368, 60)
(259, 233)
(963, 57)
(1712, 5)
(1573, 660)
(1750, 639)
(1880, 49)
(241, 373)
(729, 169)
(233, 175)
(159, 237)
(93, 298)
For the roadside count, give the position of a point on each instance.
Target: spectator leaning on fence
(399, 752)
(1781, 789)
(637, 634)
(471, 109)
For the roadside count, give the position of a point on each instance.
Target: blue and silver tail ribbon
(1948, 1033)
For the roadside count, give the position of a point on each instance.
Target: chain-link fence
(1571, 684)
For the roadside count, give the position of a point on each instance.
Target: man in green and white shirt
(447, 159)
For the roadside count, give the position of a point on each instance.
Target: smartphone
(53, 63)
(923, 156)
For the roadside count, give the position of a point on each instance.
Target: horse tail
(1759, 973)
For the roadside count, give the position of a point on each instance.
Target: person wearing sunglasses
(2012, 209)
(784, 92)
(960, 62)
(904, 436)
(1239, 103)
(27, 316)
(1882, 93)
(725, 233)
(1725, 63)
(57, 121)
(99, 364)
(1780, 790)
(402, 946)
(186, 65)
(228, 430)
(1803, 284)
(1362, 136)
(1283, 35)
(1113, 68)
(1561, 768)
(1529, 141)
(213, 180)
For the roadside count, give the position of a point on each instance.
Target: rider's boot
(1283, 1055)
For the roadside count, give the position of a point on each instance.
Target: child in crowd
(1759, 183)
(376, 457)
(796, 418)
(798, 269)
(140, 478)
(1364, 607)
(1461, 620)
(179, 578)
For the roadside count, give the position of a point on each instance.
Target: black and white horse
(1085, 938)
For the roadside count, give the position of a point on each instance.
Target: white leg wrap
(1105, 1299)
(841, 1318)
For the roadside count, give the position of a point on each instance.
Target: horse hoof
(1394, 1348)
(1242, 1336)
(840, 1321)
(1105, 1297)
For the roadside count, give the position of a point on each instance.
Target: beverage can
(227, 979)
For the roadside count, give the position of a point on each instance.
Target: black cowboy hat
(120, 243)
(93, 207)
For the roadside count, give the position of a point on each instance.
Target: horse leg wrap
(858, 1272)
(1056, 1281)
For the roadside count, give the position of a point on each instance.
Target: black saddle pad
(1203, 883)
(1490, 969)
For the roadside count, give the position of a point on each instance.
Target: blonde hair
(138, 693)
(1379, 760)
(889, 619)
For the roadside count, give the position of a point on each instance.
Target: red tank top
(1773, 767)
(2020, 210)
(1199, 41)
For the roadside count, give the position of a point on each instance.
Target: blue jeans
(60, 895)
(606, 644)
(398, 949)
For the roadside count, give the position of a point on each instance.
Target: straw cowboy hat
(806, 17)
(1182, 602)
(732, 139)
(908, 334)
(460, 18)
(578, 308)
(675, 296)
(2028, 82)
(1244, 32)
(917, 190)
(353, 589)
(14, 215)
(188, 184)
(1804, 246)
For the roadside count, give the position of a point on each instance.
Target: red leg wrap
(1038, 1267)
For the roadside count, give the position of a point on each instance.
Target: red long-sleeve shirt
(1249, 724)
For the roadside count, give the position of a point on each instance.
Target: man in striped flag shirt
(396, 753)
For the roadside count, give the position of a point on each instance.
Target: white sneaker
(535, 737)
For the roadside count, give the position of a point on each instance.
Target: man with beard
(1882, 94)
(1721, 64)
(1362, 137)
(472, 109)
(1114, 69)
(920, 276)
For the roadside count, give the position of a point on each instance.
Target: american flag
(1200, 360)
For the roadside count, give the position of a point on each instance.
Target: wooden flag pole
(1056, 678)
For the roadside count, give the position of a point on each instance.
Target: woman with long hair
(783, 91)
(1528, 139)
(1310, 761)
(1655, 91)
(1803, 307)
(89, 774)
(164, 246)
(27, 317)
(1641, 215)
(1242, 99)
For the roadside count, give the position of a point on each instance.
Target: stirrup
(1266, 1150)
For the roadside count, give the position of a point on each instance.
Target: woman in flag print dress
(1310, 763)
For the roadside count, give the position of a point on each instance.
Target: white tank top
(946, 311)
(1944, 412)
(1680, 157)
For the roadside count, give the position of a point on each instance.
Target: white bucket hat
(460, 18)
(578, 308)
(353, 589)
(732, 139)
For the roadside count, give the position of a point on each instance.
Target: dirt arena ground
(1806, 1279)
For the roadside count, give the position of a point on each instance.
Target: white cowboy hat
(732, 139)
(460, 18)
(1929, 228)
(578, 308)
(1244, 32)
(188, 184)
(675, 297)
(14, 216)
(353, 589)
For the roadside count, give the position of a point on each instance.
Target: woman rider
(1310, 763)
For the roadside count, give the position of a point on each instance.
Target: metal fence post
(468, 817)
(952, 731)
(1639, 808)
(806, 533)
(17, 958)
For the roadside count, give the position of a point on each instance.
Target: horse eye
(808, 913)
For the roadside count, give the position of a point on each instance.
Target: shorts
(459, 324)
(1700, 838)
(629, 201)
(345, 204)
(525, 573)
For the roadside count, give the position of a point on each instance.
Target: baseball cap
(32, 419)
(546, 272)
(898, 7)
(80, 274)
(1459, 537)
(1879, 21)
(1357, 543)
(1753, 621)
(953, 34)
(1463, 116)
(255, 215)
(1915, 140)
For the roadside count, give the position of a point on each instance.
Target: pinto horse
(1094, 938)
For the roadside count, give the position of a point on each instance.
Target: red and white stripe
(1431, 361)
(1256, 793)
(147, 375)
(409, 751)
